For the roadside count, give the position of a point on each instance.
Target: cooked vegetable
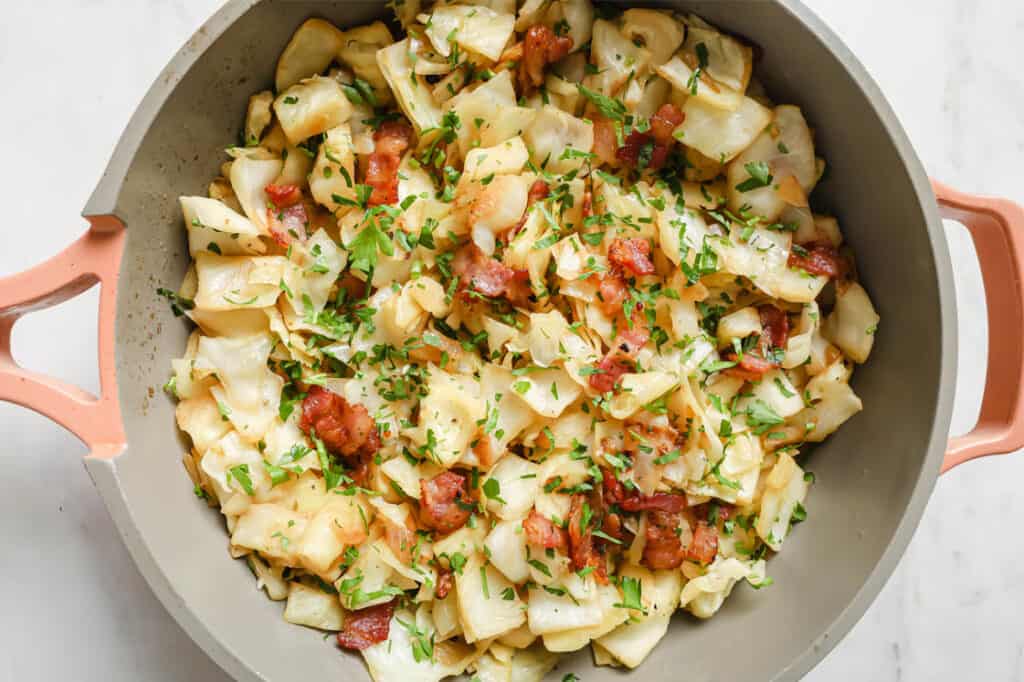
(510, 333)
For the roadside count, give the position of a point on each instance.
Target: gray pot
(874, 476)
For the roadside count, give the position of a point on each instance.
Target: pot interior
(867, 473)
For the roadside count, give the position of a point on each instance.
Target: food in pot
(510, 333)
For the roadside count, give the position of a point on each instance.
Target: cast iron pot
(874, 476)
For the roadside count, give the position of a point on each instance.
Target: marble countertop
(76, 69)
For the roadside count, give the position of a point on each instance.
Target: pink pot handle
(997, 228)
(94, 258)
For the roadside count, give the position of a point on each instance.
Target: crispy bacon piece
(775, 324)
(750, 368)
(619, 360)
(439, 502)
(445, 582)
(632, 255)
(481, 273)
(366, 627)
(582, 550)
(540, 47)
(650, 149)
(663, 548)
(610, 369)
(819, 259)
(660, 438)
(612, 291)
(283, 196)
(664, 122)
(704, 545)
(345, 429)
(288, 224)
(540, 531)
(389, 143)
(665, 502)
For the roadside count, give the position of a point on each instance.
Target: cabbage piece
(240, 364)
(258, 116)
(271, 530)
(477, 28)
(639, 390)
(508, 123)
(777, 392)
(234, 466)
(544, 335)
(798, 345)
(485, 611)
(554, 135)
(616, 57)
(703, 596)
(312, 607)
(612, 617)
(729, 61)
(509, 156)
(496, 207)
(853, 321)
(506, 546)
(485, 103)
(337, 525)
(201, 420)
(268, 577)
(212, 226)
(785, 488)
(738, 324)
(837, 404)
(234, 282)
(699, 87)
(411, 90)
(786, 149)
(359, 51)
(369, 580)
(548, 391)
(333, 174)
(314, 269)
(511, 487)
(250, 174)
(310, 107)
(721, 134)
(655, 30)
(507, 416)
(551, 612)
(630, 644)
(402, 656)
(448, 416)
(311, 50)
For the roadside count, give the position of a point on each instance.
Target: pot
(873, 477)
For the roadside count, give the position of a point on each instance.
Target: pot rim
(105, 201)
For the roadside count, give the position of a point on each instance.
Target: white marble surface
(74, 606)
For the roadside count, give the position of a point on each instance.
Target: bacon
(390, 142)
(366, 627)
(484, 275)
(540, 531)
(632, 255)
(659, 438)
(704, 545)
(819, 259)
(751, 366)
(287, 224)
(630, 340)
(587, 205)
(540, 47)
(283, 196)
(582, 551)
(619, 360)
(610, 368)
(664, 122)
(445, 582)
(775, 325)
(663, 548)
(440, 498)
(665, 502)
(612, 292)
(344, 428)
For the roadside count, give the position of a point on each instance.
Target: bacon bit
(344, 428)
(612, 292)
(632, 255)
(605, 143)
(660, 438)
(630, 340)
(540, 531)
(664, 122)
(353, 287)
(581, 542)
(540, 47)
(287, 224)
(751, 366)
(819, 259)
(283, 196)
(663, 548)
(610, 369)
(619, 360)
(612, 526)
(439, 502)
(775, 324)
(390, 142)
(724, 513)
(666, 502)
(489, 277)
(704, 545)
(366, 627)
(587, 205)
(445, 582)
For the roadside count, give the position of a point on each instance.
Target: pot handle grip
(997, 229)
(93, 258)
